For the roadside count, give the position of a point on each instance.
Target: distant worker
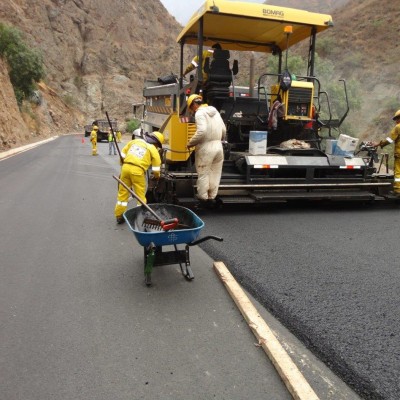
(195, 62)
(111, 143)
(394, 137)
(93, 139)
(210, 132)
(119, 136)
(138, 156)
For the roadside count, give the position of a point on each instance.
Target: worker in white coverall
(210, 132)
(138, 156)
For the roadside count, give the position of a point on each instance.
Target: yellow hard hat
(156, 138)
(96, 128)
(396, 115)
(159, 136)
(192, 98)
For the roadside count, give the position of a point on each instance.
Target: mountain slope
(366, 40)
(97, 52)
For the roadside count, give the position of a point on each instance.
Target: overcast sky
(182, 10)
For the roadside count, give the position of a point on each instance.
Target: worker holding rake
(137, 157)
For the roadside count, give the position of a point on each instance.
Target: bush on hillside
(25, 63)
(132, 124)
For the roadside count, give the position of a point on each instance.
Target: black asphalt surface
(331, 274)
(77, 321)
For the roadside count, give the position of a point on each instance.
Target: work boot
(200, 205)
(120, 220)
(211, 203)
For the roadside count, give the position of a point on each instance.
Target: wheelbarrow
(152, 236)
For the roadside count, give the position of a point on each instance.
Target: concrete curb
(17, 150)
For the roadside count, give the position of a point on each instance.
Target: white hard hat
(137, 132)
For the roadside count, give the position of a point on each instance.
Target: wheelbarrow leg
(186, 270)
(149, 257)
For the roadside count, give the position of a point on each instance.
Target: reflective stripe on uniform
(194, 63)
(155, 168)
(390, 140)
(122, 203)
(397, 179)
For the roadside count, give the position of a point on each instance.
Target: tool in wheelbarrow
(154, 241)
(159, 223)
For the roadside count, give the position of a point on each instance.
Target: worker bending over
(138, 156)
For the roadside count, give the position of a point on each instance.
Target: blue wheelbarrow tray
(191, 223)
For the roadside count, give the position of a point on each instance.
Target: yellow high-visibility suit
(138, 156)
(93, 139)
(119, 136)
(394, 137)
(195, 63)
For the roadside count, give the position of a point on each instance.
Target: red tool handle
(169, 224)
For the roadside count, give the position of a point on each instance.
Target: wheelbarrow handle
(220, 239)
(137, 197)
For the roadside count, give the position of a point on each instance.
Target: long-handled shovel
(159, 222)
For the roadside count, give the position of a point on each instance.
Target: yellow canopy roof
(251, 26)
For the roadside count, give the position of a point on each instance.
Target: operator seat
(220, 74)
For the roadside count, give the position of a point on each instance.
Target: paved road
(76, 320)
(331, 274)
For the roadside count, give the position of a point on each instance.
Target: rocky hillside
(320, 6)
(49, 116)
(366, 40)
(98, 52)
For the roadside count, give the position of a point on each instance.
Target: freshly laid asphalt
(77, 320)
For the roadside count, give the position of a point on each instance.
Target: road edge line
(17, 150)
(294, 380)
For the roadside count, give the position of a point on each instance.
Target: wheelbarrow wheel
(147, 279)
(149, 258)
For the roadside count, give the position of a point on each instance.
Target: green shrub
(132, 124)
(25, 63)
(325, 46)
(69, 100)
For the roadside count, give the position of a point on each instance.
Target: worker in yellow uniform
(195, 62)
(119, 136)
(138, 156)
(394, 137)
(93, 139)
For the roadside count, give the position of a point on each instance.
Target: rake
(155, 224)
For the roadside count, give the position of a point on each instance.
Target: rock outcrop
(96, 54)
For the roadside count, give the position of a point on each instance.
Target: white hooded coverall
(210, 131)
